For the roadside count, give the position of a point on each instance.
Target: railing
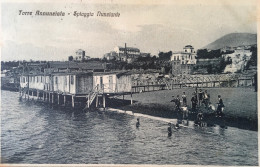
(91, 96)
(114, 88)
(221, 80)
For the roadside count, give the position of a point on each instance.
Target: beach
(240, 104)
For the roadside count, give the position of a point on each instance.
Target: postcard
(115, 83)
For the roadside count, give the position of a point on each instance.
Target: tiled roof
(76, 65)
(188, 46)
(129, 48)
(118, 73)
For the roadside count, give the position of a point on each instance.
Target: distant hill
(233, 40)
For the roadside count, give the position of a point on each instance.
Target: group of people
(199, 98)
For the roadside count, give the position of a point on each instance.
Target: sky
(151, 26)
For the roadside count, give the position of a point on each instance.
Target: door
(110, 84)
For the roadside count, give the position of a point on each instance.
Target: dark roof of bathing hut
(76, 65)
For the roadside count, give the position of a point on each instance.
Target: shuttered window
(71, 80)
(56, 80)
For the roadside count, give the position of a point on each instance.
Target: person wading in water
(169, 130)
(220, 107)
(137, 123)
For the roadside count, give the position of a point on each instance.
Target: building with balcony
(183, 61)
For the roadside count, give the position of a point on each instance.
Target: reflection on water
(36, 133)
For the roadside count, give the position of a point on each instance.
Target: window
(174, 57)
(71, 80)
(101, 82)
(41, 78)
(56, 80)
(37, 79)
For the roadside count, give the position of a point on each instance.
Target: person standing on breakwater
(169, 130)
(137, 123)
(194, 103)
(184, 99)
(174, 100)
(200, 96)
(206, 97)
(220, 107)
(178, 108)
(178, 103)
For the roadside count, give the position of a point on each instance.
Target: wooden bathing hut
(112, 82)
(74, 88)
(60, 88)
(109, 84)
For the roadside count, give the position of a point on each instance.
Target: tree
(166, 56)
(202, 53)
(70, 58)
(209, 69)
(214, 54)
(222, 65)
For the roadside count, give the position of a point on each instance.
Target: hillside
(233, 40)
